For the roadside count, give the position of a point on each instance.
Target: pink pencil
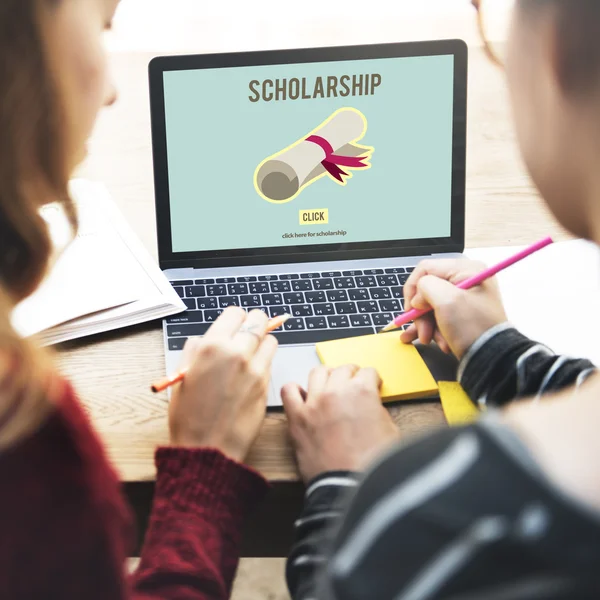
(413, 314)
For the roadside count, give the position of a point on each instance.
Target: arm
(192, 544)
(337, 427)
(203, 493)
(325, 502)
(504, 365)
(62, 512)
(498, 364)
(433, 520)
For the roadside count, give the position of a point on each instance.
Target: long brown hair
(33, 171)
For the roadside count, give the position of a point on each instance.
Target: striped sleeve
(417, 512)
(504, 365)
(435, 521)
(324, 501)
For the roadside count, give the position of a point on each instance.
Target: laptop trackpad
(291, 364)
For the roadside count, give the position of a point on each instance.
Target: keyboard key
(346, 308)
(204, 281)
(294, 298)
(272, 299)
(276, 311)
(262, 287)
(263, 308)
(246, 279)
(294, 325)
(338, 321)
(351, 273)
(337, 296)
(237, 289)
(280, 286)
(313, 297)
(195, 290)
(290, 276)
(393, 305)
(380, 293)
(302, 310)
(342, 283)
(212, 315)
(317, 323)
(303, 285)
(177, 343)
(363, 282)
(360, 294)
(402, 279)
(182, 282)
(396, 270)
(190, 303)
(331, 274)
(208, 302)
(383, 280)
(187, 330)
(268, 278)
(190, 316)
(397, 292)
(226, 280)
(360, 321)
(310, 275)
(250, 301)
(225, 301)
(214, 290)
(410, 269)
(368, 307)
(180, 291)
(373, 271)
(381, 319)
(323, 284)
(324, 309)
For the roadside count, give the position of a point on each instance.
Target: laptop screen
(310, 153)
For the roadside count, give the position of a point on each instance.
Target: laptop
(308, 182)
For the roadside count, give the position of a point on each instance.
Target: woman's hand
(222, 401)
(339, 424)
(460, 316)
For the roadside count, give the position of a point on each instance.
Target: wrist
(190, 442)
(472, 335)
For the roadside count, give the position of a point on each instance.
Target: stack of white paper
(104, 279)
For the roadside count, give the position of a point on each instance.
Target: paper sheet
(458, 407)
(101, 280)
(93, 273)
(404, 373)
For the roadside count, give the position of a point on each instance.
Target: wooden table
(112, 371)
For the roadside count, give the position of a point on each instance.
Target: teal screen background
(216, 138)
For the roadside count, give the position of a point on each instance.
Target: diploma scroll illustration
(331, 150)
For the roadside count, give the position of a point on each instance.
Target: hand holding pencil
(222, 401)
(464, 298)
(163, 384)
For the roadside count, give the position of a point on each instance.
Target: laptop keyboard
(324, 305)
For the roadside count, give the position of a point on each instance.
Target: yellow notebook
(404, 373)
(458, 407)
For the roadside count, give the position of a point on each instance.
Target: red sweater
(65, 529)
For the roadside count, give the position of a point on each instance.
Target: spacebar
(320, 335)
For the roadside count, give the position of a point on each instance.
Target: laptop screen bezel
(321, 252)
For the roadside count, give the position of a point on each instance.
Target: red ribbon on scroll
(332, 162)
